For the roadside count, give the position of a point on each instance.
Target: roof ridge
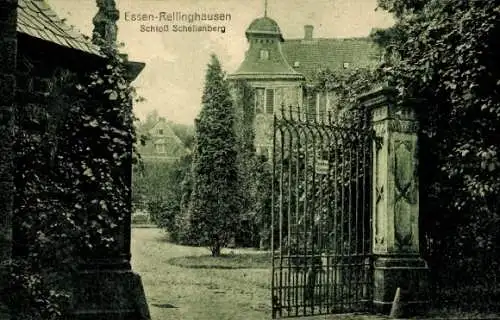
(367, 38)
(36, 18)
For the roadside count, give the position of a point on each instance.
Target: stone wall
(287, 93)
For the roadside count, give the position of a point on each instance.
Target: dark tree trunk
(216, 248)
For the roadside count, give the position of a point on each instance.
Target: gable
(167, 130)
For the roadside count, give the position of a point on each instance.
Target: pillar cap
(378, 96)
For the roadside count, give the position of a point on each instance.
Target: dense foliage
(72, 154)
(214, 205)
(156, 181)
(157, 189)
(244, 106)
(447, 53)
(345, 88)
(171, 185)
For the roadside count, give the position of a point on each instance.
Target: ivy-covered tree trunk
(214, 204)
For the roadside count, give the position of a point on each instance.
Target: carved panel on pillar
(379, 159)
(405, 194)
(397, 263)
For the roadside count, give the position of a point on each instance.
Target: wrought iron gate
(321, 215)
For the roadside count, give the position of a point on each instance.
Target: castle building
(281, 70)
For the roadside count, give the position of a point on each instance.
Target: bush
(159, 189)
(140, 218)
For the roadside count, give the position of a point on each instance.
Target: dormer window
(160, 132)
(264, 54)
(296, 64)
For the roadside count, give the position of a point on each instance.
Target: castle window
(259, 100)
(270, 101)
(160, 148)
(264, 100)
(264, 54)
(321, 105)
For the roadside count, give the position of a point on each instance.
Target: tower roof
(264, 26)
(275, 65)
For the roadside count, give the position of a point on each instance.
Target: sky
(176, 62)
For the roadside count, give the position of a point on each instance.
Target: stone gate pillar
(8, 57)
(395, 196)
(106, 288)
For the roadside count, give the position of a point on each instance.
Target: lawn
(183, 283)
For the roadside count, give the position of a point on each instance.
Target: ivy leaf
(491, 166)
(113, 95)
(88, 172)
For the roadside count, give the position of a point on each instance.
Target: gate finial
(105, 22)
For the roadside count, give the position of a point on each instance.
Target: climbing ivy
(73, 154)
(448, 56)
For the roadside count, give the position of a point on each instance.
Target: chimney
(308, 32)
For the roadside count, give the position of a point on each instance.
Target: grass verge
(225, 261)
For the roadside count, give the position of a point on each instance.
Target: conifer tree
(214, 205)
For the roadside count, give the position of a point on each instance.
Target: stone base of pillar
(411, 275)
(109, 295)
(4, 313)
(4, 293)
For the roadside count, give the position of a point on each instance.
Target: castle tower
(266, 69)
(264, 58)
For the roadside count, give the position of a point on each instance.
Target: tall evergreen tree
(214, 206)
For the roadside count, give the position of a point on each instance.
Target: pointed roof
(276, 66)
(168, 132)
(37, 19)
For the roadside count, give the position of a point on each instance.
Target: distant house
(162, 143)
(281, 70)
